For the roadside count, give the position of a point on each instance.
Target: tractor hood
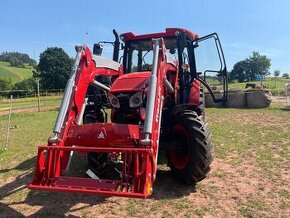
(131, 82)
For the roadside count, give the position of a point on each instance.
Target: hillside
(15, 73)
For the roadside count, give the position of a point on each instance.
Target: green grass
(253, 207)
(7, 74)
(27, 131)
(246, 132)
(16, 74)
(32, 102)
(255, 139)
(277, 85)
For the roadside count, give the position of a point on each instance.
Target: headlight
(114, 100)
(136, 100)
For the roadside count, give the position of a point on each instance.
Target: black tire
(190, 162)
(97, 162)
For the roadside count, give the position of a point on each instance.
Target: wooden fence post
(38, 96)
(8, 124)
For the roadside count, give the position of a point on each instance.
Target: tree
(53, 68)
(248, 69)
(17, 59)
(285, 75)
(28, 86)
(239, 71)
(5, 84)
(276, 73)
(15, 62)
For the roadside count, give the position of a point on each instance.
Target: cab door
(211, 67)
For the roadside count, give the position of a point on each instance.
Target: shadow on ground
(167, 187)
(58, 204)
(286, 108)
(51, 203)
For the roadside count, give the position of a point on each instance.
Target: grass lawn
(277, 85)
(7, 74)
(31, 102)
(15, 73)
(249, 178)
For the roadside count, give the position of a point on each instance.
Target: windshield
(138, 54)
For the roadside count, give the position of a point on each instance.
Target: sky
(31, 26)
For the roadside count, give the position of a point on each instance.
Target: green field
(249, 176)
(32, 102)
(277, 85)
(16, 74)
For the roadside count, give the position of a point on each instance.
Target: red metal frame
(168, 32)
(48, 177)
(139, 160)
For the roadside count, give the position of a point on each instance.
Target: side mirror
(98, 49)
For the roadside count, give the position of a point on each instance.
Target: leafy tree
(248, 69)
(17, 59)
(53, 68)
(15, 62)
(285, 75)
(239, 71)
(5, 84)
(276, 73)
(29, 85)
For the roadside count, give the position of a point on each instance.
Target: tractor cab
(192, 63)
(194, 57)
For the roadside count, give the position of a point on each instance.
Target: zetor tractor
(116, 115)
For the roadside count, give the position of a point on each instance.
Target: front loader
(118, 114)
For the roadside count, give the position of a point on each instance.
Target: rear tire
(190, 162)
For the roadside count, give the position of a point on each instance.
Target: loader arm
(83, 73)
(136, 144)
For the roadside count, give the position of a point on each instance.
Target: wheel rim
(180, 157)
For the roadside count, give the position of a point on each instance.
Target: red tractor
(119, 113)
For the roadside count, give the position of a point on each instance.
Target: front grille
(124, 100)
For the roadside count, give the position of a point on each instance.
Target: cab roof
(169, 32)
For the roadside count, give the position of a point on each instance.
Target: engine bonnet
(131, 82)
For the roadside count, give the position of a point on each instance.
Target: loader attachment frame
(136, 145)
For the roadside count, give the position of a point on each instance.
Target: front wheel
(190, 159)
(95, 161)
